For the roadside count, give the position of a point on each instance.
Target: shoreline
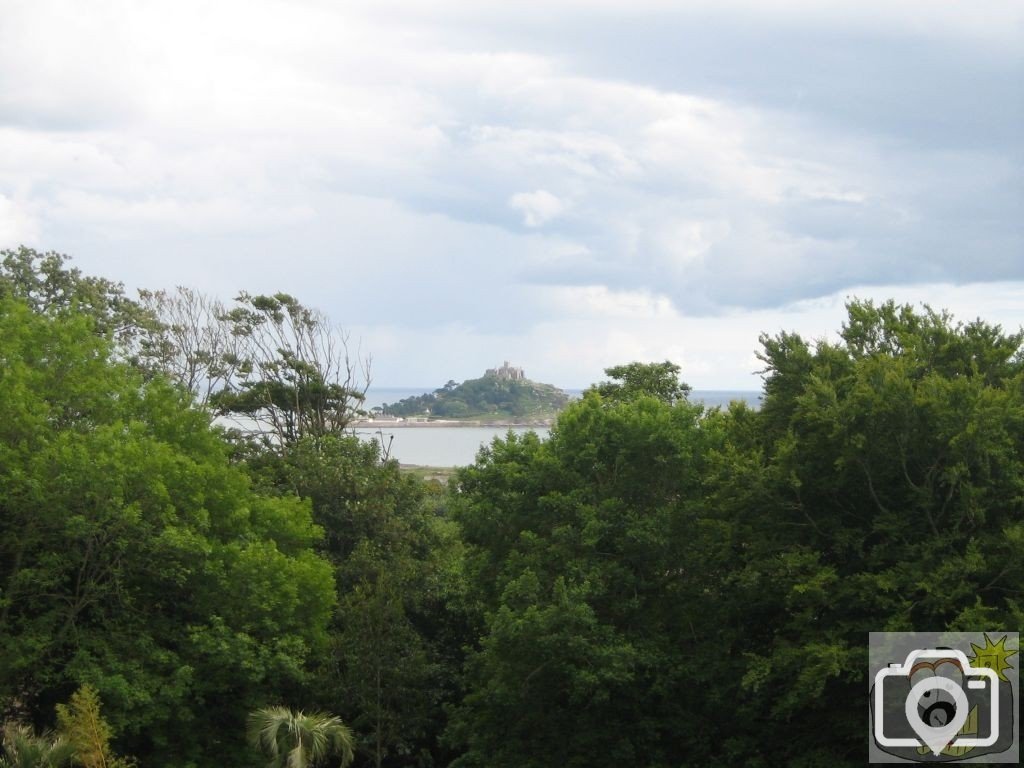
(437, 423)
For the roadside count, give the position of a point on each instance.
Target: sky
(567, 184)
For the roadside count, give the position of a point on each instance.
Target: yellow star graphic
(993, 656)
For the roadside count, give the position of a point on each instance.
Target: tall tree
(282, 371)
(193, 342)
(136, 558)
(395, 643)
(880, 488)
(296, 377)
(86, 732)
(585, 564)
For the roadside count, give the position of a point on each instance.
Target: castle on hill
(507, 373)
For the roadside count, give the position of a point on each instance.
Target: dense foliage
(134, 557)
(394, 640)
(654, 585)
(628, 382)
(583, 562)
(488, 397)
(664, 589)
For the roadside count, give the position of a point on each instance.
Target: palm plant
(299, 739)
(23, 748)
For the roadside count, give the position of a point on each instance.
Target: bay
(458, 446)
(438, 446)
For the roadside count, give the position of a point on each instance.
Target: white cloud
(538, 208)
(17, 224)
(156, 214)
(607, 304)
(465, 171)
(572, 350)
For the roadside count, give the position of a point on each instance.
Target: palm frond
(297, 739)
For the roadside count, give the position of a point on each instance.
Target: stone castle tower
(507, 373)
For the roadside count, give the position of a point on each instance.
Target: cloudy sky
(567, 184)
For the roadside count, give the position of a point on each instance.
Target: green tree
(879, 488)
(292, 374)
(385, 668)
(395, 643)
(299, 739)
(135, 558)
(628, 382)
(584, 565)
(83, 728)
(46, 283)
(280, 369)
(658, 586)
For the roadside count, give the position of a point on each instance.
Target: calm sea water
(458, 446)
(438, 446)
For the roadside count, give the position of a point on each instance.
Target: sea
(458, 446)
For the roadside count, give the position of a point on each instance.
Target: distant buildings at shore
(507, 373)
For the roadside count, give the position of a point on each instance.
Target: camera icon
(945, 702)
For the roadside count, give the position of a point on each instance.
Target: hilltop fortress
(507, 373)
(501, 396)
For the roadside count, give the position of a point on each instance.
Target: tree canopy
(134, 557)
(654, 584)
(661, 587)
(49, 286)
(660, 380)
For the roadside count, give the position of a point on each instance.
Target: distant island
(501, 396)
